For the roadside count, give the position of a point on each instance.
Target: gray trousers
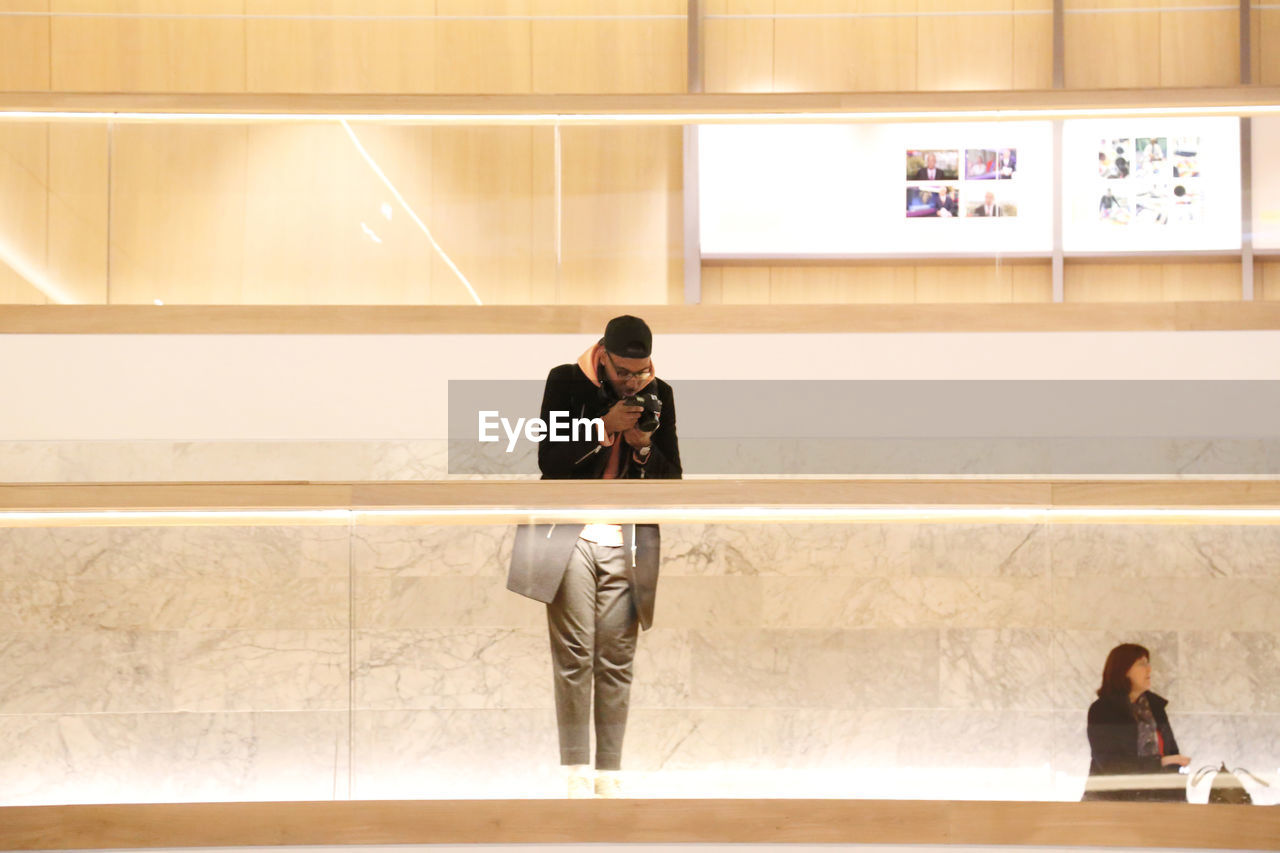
(593, 624)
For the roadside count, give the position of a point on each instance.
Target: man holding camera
(599, 580)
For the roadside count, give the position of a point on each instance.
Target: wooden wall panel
(877, 283)
(178, 213)
(627, 54)
(738, 52)
(24, 198)
(315, 229)
(1218, 281)
(483, 213)
(841, 284)
(984, 283)
(871, 48)
(1200, 48)
(622, 228)
(16, 290)
(884, 46)
(291, 214)
(1191, 281)
(711, 283)
(53, 216)
(811, 285)
(735, 285)
(1266, 280)
(490, 56)
(962, 52)
(1255, 40)
(1032, 283)
(178, 53)
(1185, 43)
(545, 264)
(338, 55)
(902, 283)
(1118, 282)
(964, 283)
(587, 49)
(1033, 45)
(1110, 49)
(24, 58)
(815, 54)
(78, 208)
(1266, 48)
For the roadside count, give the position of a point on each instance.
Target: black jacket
(569, 390)
(1113, 737)
(541, 552)
(1113, 743)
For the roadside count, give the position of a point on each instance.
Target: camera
(652, 409)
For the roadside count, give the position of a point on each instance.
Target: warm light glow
(640, 515)
(368, 232)
(143, 518)
(589, 118)
(382, 176)
(12, 259)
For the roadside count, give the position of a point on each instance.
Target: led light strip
(650, 117)
(692, 515)
(249, 16)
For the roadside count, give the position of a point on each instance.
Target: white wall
(353, 387)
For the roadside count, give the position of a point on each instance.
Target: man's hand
(621, 418)
(636, 438)
(1180, 760)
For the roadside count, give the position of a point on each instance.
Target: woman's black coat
(1113, 741)
(1113, 737)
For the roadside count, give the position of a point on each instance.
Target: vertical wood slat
(24, 168)
(24, 60)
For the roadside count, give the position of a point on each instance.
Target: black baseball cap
(628, 337)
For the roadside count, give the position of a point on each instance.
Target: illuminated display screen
(894, 189)
(1151, 185)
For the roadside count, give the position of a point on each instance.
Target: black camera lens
(652, 406)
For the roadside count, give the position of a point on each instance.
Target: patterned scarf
(1148, 736)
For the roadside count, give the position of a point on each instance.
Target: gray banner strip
(928, 427)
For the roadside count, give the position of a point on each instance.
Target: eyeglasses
(624, 374)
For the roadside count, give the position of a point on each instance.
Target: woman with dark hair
(1129, 734)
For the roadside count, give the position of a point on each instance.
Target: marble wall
(200, 461)
(949, 660)
(429, 459)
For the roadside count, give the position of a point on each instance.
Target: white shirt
(603, 534)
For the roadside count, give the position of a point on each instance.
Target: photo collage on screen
(1149, 180)
(949, 183)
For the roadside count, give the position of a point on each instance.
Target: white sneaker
(580, 782)
(608, 784)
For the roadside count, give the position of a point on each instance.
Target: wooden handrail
(503, 501)
(177, 825)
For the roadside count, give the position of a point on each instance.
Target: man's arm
(560, 460)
